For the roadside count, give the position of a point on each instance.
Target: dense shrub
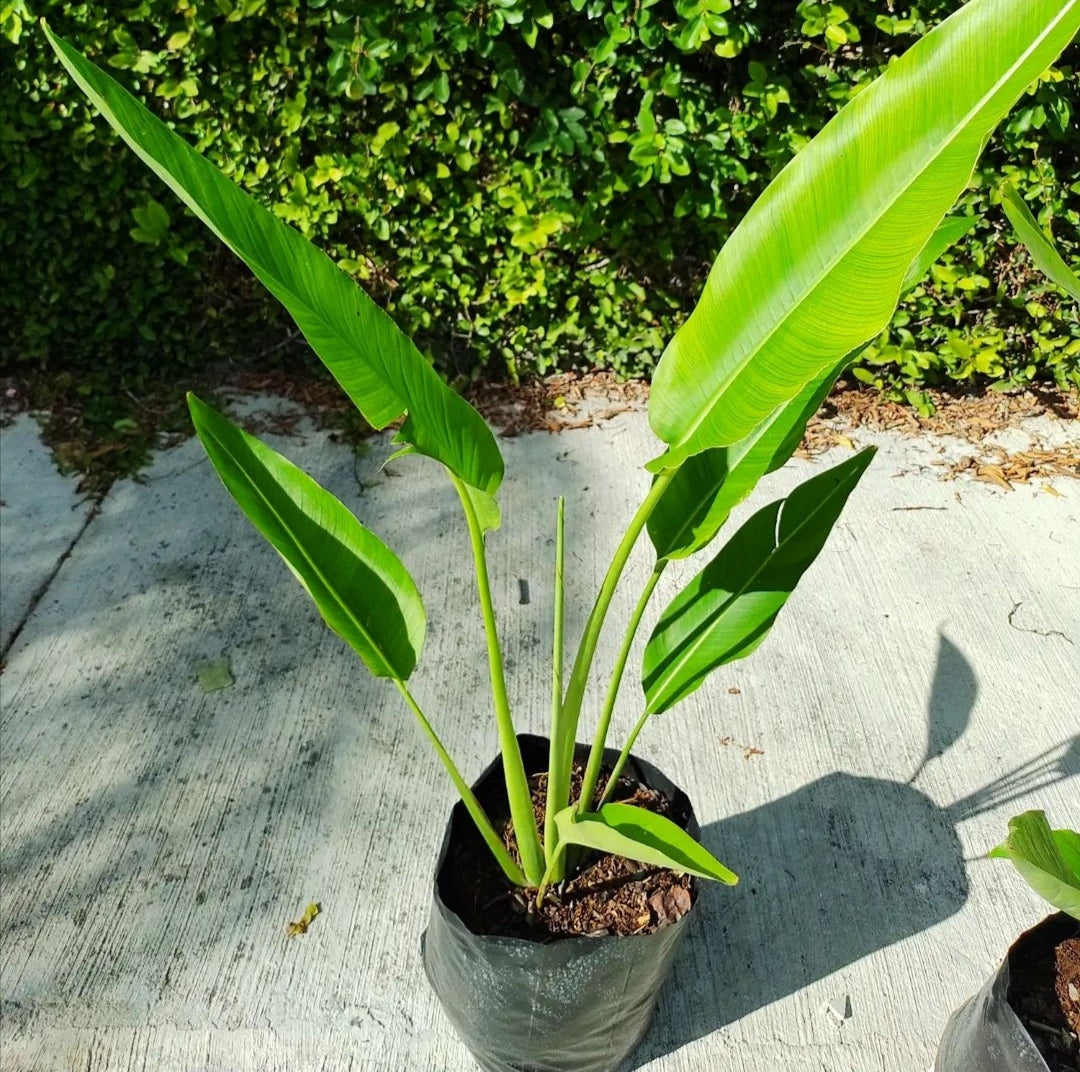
(526, 184)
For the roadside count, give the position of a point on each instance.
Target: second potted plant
(1027, 1016)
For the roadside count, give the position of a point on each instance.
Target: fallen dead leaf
(301, 925)
(993, 474)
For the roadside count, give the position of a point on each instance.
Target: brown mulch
(578, 400)
(557, 403)
(971, 419)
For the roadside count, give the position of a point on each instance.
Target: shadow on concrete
(840, 868)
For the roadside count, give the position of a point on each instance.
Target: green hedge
(527, 185)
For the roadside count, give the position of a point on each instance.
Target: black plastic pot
(567, 1005)
(984, 1034)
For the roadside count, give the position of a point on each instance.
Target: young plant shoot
(811, 274)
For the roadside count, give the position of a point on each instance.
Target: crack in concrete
(43, 588)
(1037, 632)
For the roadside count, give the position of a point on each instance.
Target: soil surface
(605, 894)
(1044, 991)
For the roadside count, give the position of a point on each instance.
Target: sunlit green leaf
(726, 611)
(814, 269)
(378, 367)
(359, 585)
(637, 834)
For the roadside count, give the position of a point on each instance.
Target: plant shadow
(840, 868)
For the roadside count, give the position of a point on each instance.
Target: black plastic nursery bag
(568, 1005)
(985, 1035)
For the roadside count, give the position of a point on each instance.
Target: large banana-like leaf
(359, 585)
(709, 485)
(814, 268)
(1042, 250)
(726, 611)
(378, 367)
(641, 835)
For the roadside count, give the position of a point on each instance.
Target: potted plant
(1027, 1016)
(578, 840)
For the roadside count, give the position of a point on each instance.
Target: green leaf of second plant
(361, 588)
(1048, 860)
(641, 835)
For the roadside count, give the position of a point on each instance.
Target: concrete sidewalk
(190, 757)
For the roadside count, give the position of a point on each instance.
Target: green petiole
(596, 754)
(550, 837)
(617, 770)
(472, 805)
(564, 729)
(517, 785)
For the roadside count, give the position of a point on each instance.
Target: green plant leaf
(814, 268)
(361, 588)
(1042, 250)
(1048, 860)
(641, 835)
(709, 485)
(949, 231)
(377, 366)
(726, 611)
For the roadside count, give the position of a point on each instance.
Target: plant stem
(565, 729)
(623, 756)
(596, 755)
(483, 823)
(545, 881)
(517, 785)
(556, 674)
